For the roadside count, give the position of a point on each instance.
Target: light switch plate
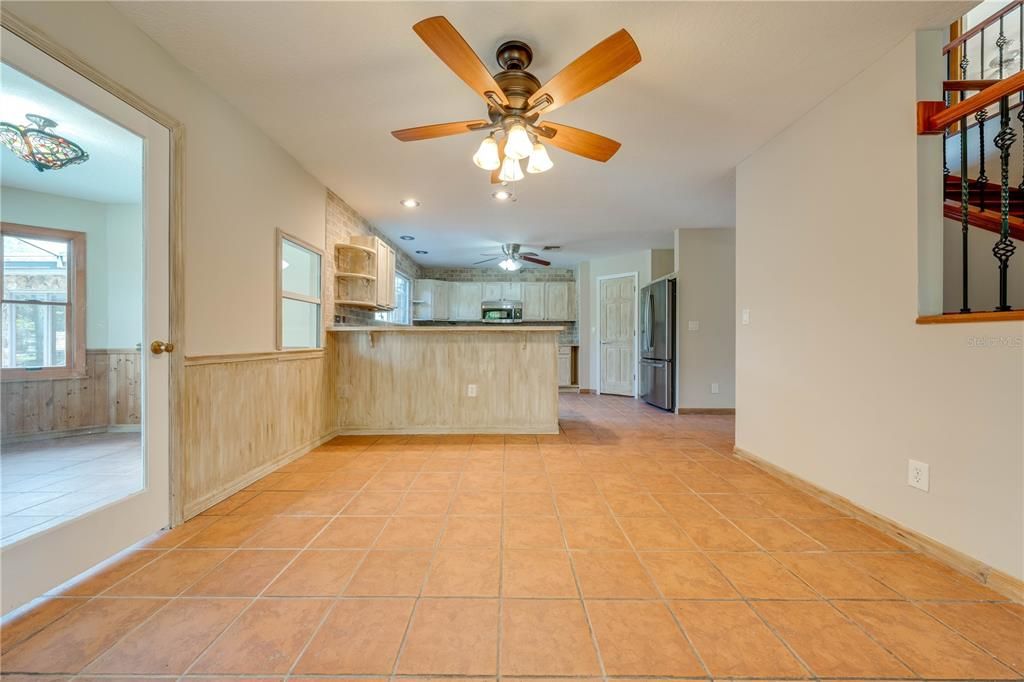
(714, 388)
(745, 315)
(471, 390)
(693, 325)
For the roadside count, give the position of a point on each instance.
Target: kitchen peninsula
(499, 378)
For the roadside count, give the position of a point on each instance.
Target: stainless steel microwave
(501, 312)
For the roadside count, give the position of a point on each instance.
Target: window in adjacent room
(402, 314)
(299, 268)
(43, 302)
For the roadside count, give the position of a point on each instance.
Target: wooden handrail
(933, 117)
(967, 86)
(975, 30)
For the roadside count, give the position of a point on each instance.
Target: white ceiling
(113, 172)
(328, 81)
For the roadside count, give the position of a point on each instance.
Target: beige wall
(662, 262)
(706, 293)
(239, 185)
(835, 382)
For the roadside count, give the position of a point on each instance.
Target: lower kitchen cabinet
(567, 366)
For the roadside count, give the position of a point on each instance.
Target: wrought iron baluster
(964, 214)
(1004, 247)
(980, 117)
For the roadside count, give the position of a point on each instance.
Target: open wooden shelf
(357, 247)
(981, 316)
(371, 305)
(355, 275)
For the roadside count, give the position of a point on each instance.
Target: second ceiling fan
(516, 100)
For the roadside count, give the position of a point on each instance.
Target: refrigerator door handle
(649, 341)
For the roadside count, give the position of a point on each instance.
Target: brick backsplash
(496, 274)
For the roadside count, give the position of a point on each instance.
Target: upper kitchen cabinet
(533, 300)
(559, 301)
(493, 291)
(512, 291)
(465, 304)
(430, 300)
(385, 276)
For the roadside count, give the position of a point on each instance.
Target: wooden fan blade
(487, 260)
(495, 180)
(436, 130)
(452, 49)
(582, 142)
(609, 59)
(538, 261)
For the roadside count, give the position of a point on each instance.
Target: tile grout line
(249, 606)
(423, 582)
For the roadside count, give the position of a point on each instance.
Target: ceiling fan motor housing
(514, 56)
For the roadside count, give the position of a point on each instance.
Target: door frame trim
(176, 308)
(636, 329)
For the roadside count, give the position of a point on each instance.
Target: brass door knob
(158, 347)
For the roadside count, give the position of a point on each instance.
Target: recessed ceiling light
(407, 237)
(422, 253)
(502, 195)
(410, 203)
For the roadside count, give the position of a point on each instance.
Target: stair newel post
(964, 214)
(1004, 247)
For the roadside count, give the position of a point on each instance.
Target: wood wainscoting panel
(418, 383)
(109, 395)
(244, 418)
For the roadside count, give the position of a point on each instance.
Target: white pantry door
(617, 307)
(40, 561)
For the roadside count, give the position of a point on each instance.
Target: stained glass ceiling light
(38, 145)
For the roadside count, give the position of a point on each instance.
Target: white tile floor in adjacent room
(46, 482)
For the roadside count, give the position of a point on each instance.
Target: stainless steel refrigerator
(658, 343)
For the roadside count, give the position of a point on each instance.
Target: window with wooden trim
(298, 287)
(43, 274)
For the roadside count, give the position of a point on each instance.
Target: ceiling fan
(513, 257)
(516, 100)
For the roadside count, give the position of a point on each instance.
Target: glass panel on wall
(300, 324)
(71, 204)
(300, 269)
(300, 295)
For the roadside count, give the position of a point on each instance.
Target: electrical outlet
(745, 315)
(714, 388)
(917, 474)
(471, 390)
(693, 325)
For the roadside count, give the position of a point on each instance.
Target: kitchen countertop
(446, 329)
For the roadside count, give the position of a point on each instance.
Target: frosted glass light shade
(510, 170)
(486, 156)
(539, 160)
(510, 265)
(518, 144)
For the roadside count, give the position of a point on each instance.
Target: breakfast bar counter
(493, 378)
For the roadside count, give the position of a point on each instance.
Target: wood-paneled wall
(109, 395)
(246, 415)
(417, 383)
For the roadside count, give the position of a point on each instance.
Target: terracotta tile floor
(629, 546)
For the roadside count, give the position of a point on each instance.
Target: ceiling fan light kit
(511, 171)
(486, 156)
(516, 99)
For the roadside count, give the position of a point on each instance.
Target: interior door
(617, 334)
(40, 561)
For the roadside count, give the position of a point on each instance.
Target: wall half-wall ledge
(967, 318)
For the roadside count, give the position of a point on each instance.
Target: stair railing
(952, 116)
